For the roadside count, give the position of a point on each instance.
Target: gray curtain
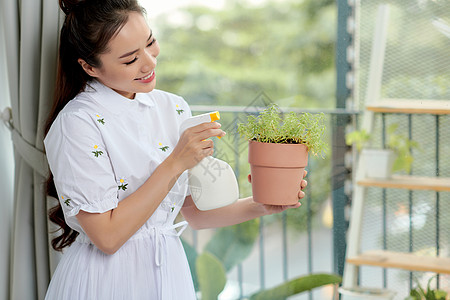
(6, 179)
(31, 30)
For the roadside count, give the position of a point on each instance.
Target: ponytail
(88, 27)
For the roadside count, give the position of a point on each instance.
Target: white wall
(6, 177)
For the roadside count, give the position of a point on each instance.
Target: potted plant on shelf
(381, 163)
(429, 294)
(278, 152)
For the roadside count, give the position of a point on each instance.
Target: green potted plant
(429, 294)
(381, 163)
(278, 152)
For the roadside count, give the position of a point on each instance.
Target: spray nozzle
(199, 119)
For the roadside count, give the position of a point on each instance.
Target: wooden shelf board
(411, 106)
(438, 184)
(400, 260)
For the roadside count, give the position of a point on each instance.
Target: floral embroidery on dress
(66, 201)
(122, 184)
(100, 119)
(172, 208)
(96, 152)
(163, 148)
(179, 110)
(170, 205)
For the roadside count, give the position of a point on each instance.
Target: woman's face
(129, 65)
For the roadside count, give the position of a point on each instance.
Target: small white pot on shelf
(378, 162)
(361, 293)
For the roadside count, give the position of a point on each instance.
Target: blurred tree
(228, 56)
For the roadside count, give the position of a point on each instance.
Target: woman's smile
(148, 78)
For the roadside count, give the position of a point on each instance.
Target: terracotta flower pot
(276, 170)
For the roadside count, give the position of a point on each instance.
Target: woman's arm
(242, 210)
(110, 230)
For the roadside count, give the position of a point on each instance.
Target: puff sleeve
(82, 171)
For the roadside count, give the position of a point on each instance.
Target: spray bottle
(212, 181)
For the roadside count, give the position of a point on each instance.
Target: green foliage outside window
(285, 49)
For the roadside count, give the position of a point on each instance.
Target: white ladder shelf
(374, 104)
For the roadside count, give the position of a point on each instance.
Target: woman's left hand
(274, 209)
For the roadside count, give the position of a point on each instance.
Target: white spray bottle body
(212, 182)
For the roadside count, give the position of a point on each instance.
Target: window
(248, 53)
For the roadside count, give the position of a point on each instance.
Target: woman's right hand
(194, 145)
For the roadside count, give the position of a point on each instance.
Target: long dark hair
(88, 27)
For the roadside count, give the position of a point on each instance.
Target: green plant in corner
(296, 286)
(400, 144)
(270, 127)
(420, 294)
(228, 247)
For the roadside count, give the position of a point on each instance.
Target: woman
(118, 162)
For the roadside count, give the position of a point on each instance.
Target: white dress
(100, 149)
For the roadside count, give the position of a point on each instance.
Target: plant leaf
(392, 128)
(211, 276)
(231, 245)
(440, 294)
(415, 295)
(296, 286)
(359, 138)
